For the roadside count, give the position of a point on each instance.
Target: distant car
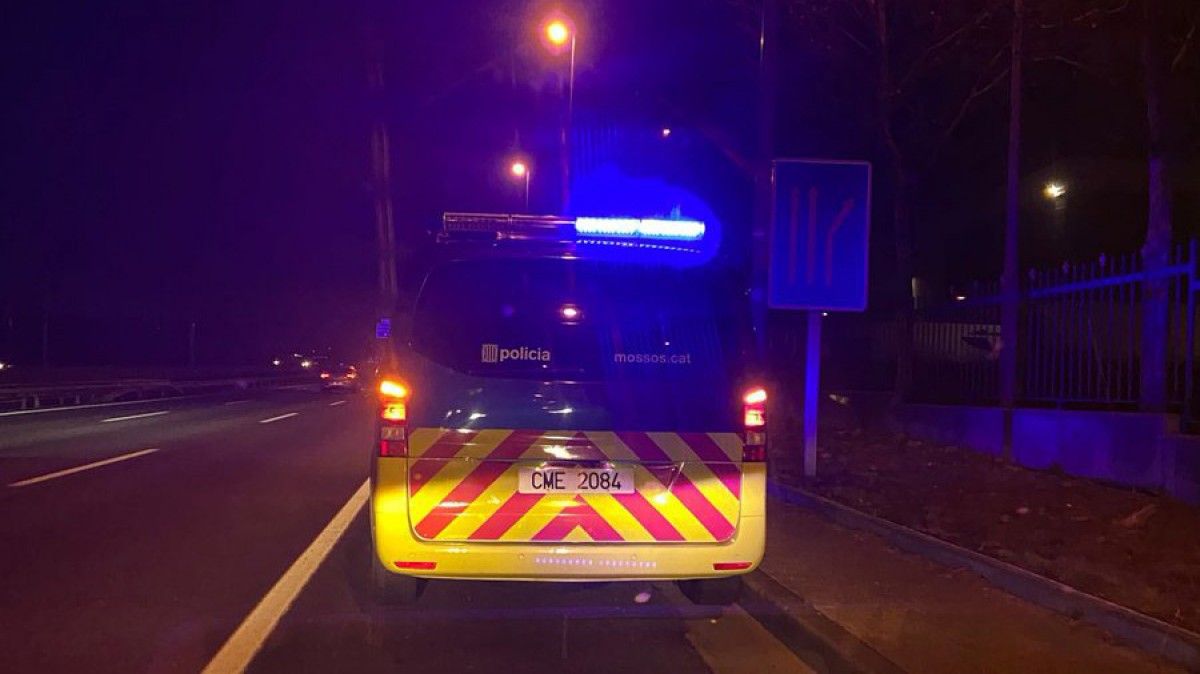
(340, 378)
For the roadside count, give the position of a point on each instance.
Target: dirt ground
(1134, 548)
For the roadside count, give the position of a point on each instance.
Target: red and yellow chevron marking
(463, 486)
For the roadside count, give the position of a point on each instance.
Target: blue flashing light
(640, 228)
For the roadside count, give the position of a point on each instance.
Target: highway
(226, 532)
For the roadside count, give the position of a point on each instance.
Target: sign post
(820, 237)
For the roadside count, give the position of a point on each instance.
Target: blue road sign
(819, 235)
(383, 328)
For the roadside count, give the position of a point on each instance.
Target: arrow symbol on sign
(838, 221)
(811, 248)
(793, 227)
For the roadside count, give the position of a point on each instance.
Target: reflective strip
(730, 443)
(578, 514)
(688, 489)
(482, 508)
(420, 439)
(691, 497)
(699, 448)
(714, 490)
(648, 516)
(470, 487)
(674, 511)
(433, 457)
(549, 508)
(611, 446)
(505, 516)
(621, 519)
(577, 535)
(706, 449)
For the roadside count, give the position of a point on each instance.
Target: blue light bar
(635, 228)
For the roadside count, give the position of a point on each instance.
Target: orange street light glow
(557, 32)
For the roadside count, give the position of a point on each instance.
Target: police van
(574, 403)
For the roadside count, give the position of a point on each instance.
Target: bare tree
(930, 63)
(1158, 67)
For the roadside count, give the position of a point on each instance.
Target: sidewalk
(927, 618)
(1136, 549)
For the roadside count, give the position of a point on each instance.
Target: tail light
(393, 418)
(324, 375)
(754, 419)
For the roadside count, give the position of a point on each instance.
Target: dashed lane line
(86, 466)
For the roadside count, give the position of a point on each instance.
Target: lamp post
(560, 34)
(520, 170)
(1056, 192)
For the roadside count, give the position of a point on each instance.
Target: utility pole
(192, 344)
(46, 339)
(768, 53)
(565, 131)
(1010, 281)
(385, 230)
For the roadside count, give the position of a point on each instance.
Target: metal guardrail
(30, 397)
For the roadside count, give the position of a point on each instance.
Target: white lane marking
(249, 637)
(235, 402)
(337, 402)
(156, 401)
(86, 466)
(135, 416)
(278, 418)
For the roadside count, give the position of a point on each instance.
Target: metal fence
(1079, 342)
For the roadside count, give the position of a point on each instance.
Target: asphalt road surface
(226, 532)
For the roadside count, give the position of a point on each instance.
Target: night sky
(170, 162)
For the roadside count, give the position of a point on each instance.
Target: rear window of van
(579, 320)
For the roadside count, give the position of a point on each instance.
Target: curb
(821, 643)
(1152, 635)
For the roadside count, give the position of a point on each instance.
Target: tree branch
(1094, 12)
(853, 38)
(981, 89)
(1059, 58)
(945, 41)
(1101, 11)
(1187, 42)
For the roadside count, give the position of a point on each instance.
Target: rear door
(558, 400)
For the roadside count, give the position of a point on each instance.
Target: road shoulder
(924, 617)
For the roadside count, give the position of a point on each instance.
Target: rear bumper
(578, 562)
(394, 542)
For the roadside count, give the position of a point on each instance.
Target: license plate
(575, 481)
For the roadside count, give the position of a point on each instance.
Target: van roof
(618, 240)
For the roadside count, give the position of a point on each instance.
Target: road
(140, 537)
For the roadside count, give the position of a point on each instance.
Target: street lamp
(559, 33)
(521, 171)
(1055, 190)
